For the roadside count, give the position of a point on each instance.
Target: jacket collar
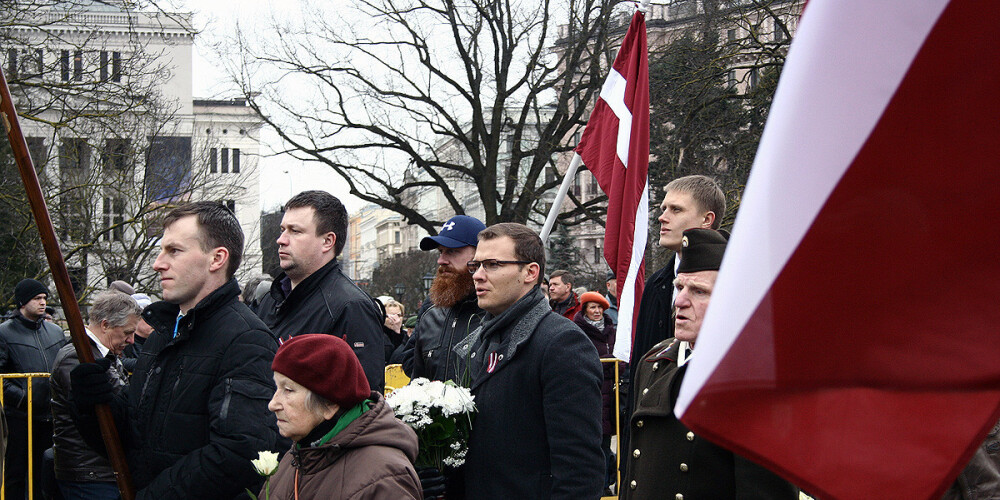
(307, 285)
(162, 315)
(665, 352)
(32, 325)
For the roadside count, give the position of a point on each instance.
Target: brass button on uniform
(644, 391)
(636, 453)
(690, 436)
(639, 424)
(684, 467)
(632, 485)
(656, 366)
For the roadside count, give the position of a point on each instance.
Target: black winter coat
(537, 382)
(327, 301)
(428, 352)
(75, 460)
(603, 340)
(196, 408)
(28, 347)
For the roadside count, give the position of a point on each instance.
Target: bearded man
(454, 312)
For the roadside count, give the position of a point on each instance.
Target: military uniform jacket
(666, 460)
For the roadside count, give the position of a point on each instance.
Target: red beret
(325, 365)
(594, 297)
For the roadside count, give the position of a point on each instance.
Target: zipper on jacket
(225, 400)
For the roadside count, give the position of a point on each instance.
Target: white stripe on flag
(613, 93)
(810, 139)
(628, 302)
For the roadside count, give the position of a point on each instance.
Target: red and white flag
(615, 148)
(853, 340)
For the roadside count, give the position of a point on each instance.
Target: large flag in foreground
(615, 148)
(853, 340)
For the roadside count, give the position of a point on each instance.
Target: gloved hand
(431, 481)
(91, 385)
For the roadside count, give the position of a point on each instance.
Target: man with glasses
(536, 379)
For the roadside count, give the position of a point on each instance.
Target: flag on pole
(852, 342)
(615, 148)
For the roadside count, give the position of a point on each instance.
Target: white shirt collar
(100, 347)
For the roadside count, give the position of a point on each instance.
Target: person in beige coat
(348, 444)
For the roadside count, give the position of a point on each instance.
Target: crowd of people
(203, 380)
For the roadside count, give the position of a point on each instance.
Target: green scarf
(349, 416)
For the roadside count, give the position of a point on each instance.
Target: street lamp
(400, 289)
(428, 281)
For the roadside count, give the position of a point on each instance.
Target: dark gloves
(431, 481)
(91, 385)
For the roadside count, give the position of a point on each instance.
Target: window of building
(595, 189)
(12, 63)
(78, 65)
(114, 218)
(74, 155)
(225, 160)
(731, 78)
(779, 34)
(64, 65)
(213, 161)
(168, 167)
(116, 154)
(104, 66)
(597, 254)
(236, 161)
(116, 67)
(731, 34)
(36, 149)
(34, 63)
(397, 237)
(752, 81)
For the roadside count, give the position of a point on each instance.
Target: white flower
(266, 463)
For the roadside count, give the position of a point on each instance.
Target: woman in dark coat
(601, 331)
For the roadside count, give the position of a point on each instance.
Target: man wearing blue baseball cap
(453, 314)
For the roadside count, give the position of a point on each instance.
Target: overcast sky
(281, 176)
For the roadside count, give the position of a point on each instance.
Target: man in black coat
(28, 344)
(313, 295)
(536, 379)
(666, 459)
(195, 410)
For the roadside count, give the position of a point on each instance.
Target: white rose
(266, 463)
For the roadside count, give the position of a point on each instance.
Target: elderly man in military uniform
(666, 459)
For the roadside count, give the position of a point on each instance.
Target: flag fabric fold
(851, 344)
(615, 148)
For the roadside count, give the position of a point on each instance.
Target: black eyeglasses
(491, 264)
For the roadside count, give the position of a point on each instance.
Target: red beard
(450, 287)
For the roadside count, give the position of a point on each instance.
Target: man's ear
(329, 242)
(708, 220)
(533, 273)
(220, 258)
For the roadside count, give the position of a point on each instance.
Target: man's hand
(431, 481)
(90, 384)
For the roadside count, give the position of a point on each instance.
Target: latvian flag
(615, 148)
(853, 339)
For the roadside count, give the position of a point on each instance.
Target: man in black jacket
(536, 379)
(28, 344)
(80, 471)
(455, 313)
(195, 410)
(313, 295)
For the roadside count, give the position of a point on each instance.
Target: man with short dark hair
(562, 298)
(28, 344)
(195, 411)
(612, 298)
(665, 459)
(80, 471)
(536, 378)
(312, 294)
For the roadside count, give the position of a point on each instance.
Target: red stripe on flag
(870, 368)
(624, 185)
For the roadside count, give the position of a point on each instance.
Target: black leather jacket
(28, 346)
(327, 301)
(74, 459)
(429, 350)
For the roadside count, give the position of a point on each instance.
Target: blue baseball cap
(459, 231)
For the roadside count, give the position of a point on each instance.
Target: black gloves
(91, 385)
(432, 482)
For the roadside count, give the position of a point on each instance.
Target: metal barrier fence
(31, 414)
(395, 378)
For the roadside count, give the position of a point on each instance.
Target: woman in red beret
(348, 443)
(601, 331)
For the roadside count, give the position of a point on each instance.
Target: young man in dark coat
(28, 344)
(312, 294)
(537, 382)
(666, 459)
(195, 410)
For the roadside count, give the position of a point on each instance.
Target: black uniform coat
(195, 412)
(667, 460)
(327, 301)
(537, 382)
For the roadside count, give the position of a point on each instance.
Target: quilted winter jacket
(28, 346)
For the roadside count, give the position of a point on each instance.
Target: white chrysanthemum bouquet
(441, 413)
